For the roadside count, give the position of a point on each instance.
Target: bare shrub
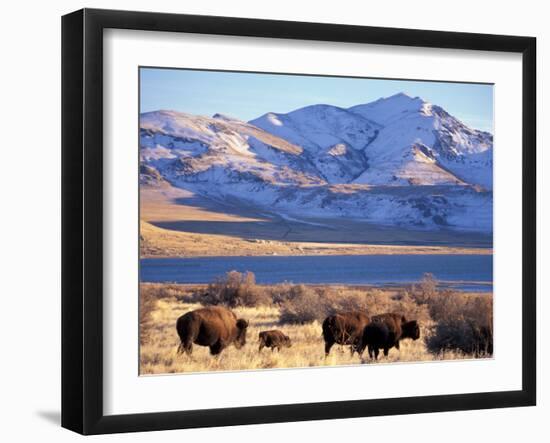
(378, 302)
(281, 292)
(160, 291)
(345, 300)
(464, 323)
(169, 290)
(236, 289)
(147, 301)
(303, 305)
(404, 303)
(423, 292)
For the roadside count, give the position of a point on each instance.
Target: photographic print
(292, 221)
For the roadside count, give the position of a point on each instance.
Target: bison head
(411, 330)
(288, 342)
(357, 345)
(242, 326)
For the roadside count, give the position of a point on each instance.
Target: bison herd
(218, 327)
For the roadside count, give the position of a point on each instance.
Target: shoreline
(328, 249)
(443, 252)
(157, 242)
(391, 288)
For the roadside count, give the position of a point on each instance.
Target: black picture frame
(82, 218)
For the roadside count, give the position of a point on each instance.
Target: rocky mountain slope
(395, 161)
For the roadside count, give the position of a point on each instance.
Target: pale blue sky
(249, 95)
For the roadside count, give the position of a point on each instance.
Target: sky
(247, 96)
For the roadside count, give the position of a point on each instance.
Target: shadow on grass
(328, 231)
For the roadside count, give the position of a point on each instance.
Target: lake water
(467, 272)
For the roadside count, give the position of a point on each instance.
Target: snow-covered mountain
(186, 148)
(335, 138)
(398, 160)
(421, 143)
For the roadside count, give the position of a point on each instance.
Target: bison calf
(215, 327)
(274, 339)
(385, 331)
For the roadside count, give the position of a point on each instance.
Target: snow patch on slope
(396, 161)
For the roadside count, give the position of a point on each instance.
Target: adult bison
(215, 327)
(385, 331)
(344, 328)
(274, 339)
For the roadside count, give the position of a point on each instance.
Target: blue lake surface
(467, 272)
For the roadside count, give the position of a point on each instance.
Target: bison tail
(187, 328)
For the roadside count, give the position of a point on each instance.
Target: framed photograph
(270, 221)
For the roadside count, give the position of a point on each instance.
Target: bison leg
(370, 351)
(188, 329)
(216, 348)
(386, 351)
(261, 346)
(376, 351)
(185, 347)
(397, 345)
(328, 345)
(357, 346)
(354, 347)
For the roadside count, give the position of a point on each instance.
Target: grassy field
(162, 304)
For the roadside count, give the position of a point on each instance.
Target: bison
(343, 328)
(385, 331)
(215, 327)
(274, 339)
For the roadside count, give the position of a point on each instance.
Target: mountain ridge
(324, 159)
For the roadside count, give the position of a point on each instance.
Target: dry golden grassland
(298, 312)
